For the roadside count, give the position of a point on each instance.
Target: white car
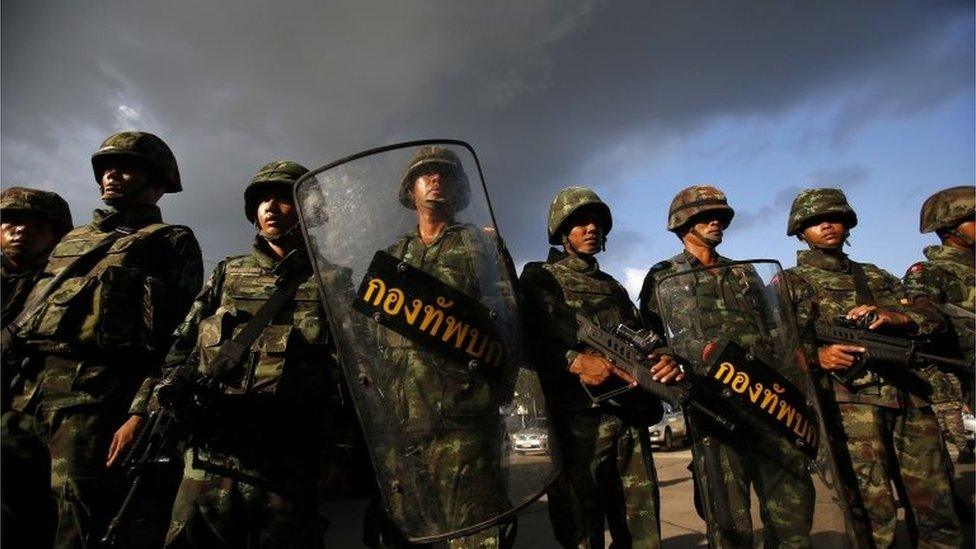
(532, 439)
(670, 432)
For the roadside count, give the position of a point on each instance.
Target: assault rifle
(628, 350)
(161, 439)
(884, 354)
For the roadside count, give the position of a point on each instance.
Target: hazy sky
(634, 99)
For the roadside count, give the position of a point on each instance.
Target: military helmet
(277, 173)
(146, 146)
(811, 203)
(947, 208)
(571, 200)
(441, 156)
(695, 200)
(43, 203)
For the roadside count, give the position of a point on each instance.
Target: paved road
(681, 527)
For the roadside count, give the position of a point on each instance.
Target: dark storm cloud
(541, 89)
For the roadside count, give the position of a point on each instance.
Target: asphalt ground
(681, 526)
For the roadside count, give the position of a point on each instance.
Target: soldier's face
(433, 190)
(25, 238)
(585, 234)
(125, 181)
(712, 227)
(276, 211)
(826, 232)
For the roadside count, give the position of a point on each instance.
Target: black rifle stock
(159, 442)
(882, 352)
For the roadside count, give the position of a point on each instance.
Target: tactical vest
(431, 390)
(114, 305)
(289, 357)
(719, 303)
(835, 293)
(598, 296)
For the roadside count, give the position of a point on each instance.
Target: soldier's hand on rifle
(595, 369)
(122, 439)
(666, 370)
(838, 356)
(882, 317)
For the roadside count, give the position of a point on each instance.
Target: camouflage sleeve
(922, 311)
(540, 291)
(803, 297)
(184, 338)
(921, 279)
(648, 302)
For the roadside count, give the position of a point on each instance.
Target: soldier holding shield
(430, 341)
(701, 297)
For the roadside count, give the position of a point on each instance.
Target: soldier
(609, 475)
(725, 467)
(251, 475)
(889, 435)
(33, 222)
(949, 277)
(97, 322)
(451, 415)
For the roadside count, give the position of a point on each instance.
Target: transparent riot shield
(421, 300)
(774, 478)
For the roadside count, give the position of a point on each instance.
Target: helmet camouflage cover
(811, 203)
(448, 160)
(145, 146)
(276, 173)
(571, 200)
(43, 203)
(696, 200)
(947, 208)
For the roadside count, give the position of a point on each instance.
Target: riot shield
(420, 294)
(775, 478)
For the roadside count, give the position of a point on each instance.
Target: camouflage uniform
(95, 340)
(609, 474)
(448, 412)
(16, 284)
(18, 458)
(252, 473)
(949, 277)
(786, 495)
(890, 435)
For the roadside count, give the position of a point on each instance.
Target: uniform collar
(451, 227)
(260, 253)
(134, 217)
(950, 253)
(821, 260)
(693, 262)
(559, 257)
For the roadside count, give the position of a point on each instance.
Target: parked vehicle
(670, 433)
(532, 439)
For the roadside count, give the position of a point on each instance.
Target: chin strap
(576, 252)
(712, 241)
(291, 236)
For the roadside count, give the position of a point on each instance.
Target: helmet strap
(707, 240)
(289, 238)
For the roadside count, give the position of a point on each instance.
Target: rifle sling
(861, 286)
(232, 352)
(36, 301)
